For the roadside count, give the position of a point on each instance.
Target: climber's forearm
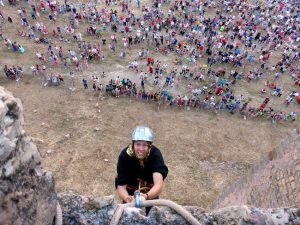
(123, 193)
(158, 186)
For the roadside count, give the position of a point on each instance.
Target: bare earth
(204, 152)
(80, 136)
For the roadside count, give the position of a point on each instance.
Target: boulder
(27, 192)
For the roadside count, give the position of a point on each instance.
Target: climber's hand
(129, 199)
(142, 198)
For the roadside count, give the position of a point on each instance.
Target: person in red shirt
(219, 90)
(149, 59)
(150, 69)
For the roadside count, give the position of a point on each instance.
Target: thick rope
(58, 217)
(160, 202)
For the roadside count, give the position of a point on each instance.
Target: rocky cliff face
(274, 182)
(87, 210)
(27, 193)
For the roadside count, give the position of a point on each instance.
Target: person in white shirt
(33, 71)
(72, 81)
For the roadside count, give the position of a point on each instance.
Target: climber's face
(141, 149)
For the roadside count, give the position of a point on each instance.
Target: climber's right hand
(142, 198)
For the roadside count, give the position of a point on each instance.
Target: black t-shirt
(129, 169)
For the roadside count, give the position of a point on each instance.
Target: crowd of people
(14, 46)
(216, 43)
(201, 99)
(13, 73)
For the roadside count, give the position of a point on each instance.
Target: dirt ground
(80, 145)
(80, 136)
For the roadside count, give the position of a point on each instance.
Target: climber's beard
(141, 149)
(141, 155)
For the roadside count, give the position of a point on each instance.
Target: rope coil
(160, 202)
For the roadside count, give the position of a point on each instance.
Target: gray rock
(86, 210)
(27, 192)
(104, 201)
(6, 147)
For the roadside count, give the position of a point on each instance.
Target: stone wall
(86, 210)
(274, 182)
(27, 193)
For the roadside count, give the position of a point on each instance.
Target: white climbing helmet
(142, 133)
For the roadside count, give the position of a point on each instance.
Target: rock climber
(140, 167)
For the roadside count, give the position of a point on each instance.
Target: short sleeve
(121, 170)
(158, 164)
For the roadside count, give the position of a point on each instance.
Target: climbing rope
(58, 217)
(160, 202)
